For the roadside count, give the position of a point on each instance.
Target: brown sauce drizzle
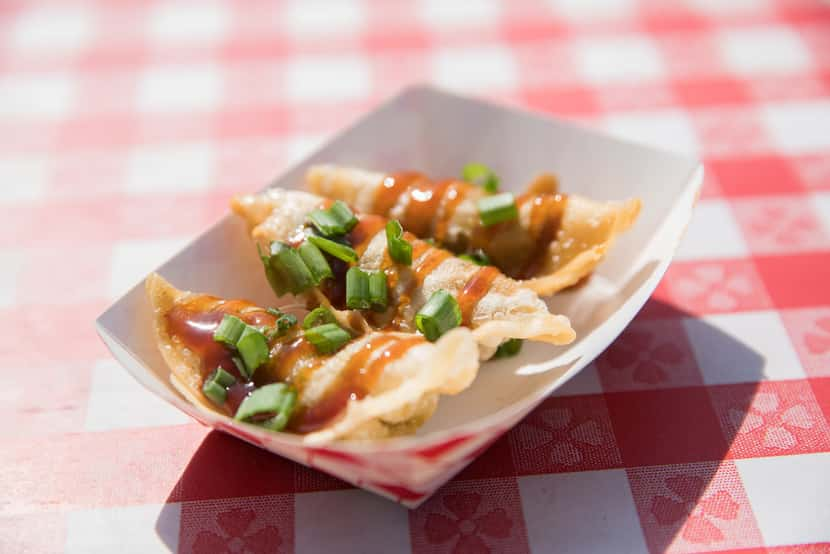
(355, 381)
(456, 192)
(474, 290)
(361, 234)
(424, 200)
(545, 220)
(392, 188)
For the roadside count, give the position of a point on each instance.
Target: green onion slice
(337, 220)
(214, 392)
(399, 248)
(357, 289)
(340, 251)
(508, 348)
(253, 347)
(477, 257)
(240, 367)
(327, 338)
(215, 386)
(229, 330)
(318, 316)
(288, 263)
(276, 402)
(285, 322)
(497, 209)
(378, 295)
(315, 261)
(481, 175)
(278, 284)
(440, 314)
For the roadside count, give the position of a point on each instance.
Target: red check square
(796, 280)
(756, 175)
(665, 426)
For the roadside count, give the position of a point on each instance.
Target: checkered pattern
(128, 125)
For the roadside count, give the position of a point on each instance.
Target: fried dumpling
(484, 295)
(557, 239)
(377, 385)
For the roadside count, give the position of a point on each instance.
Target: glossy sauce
(194, 322)
(354, 382)
(474, 290)
(456, 192)
(545, 220)
(392, 188)
(361, 234)
(424, 201)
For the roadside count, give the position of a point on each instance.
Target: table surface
(127, 126)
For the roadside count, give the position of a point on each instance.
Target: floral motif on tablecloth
(240, 525)
(693, 507)
(784, 226)
(477, 516)
(726, 286)
(778, 418)
(565, 434)
(649, 354)
(809, 331)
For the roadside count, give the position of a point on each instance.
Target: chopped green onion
(214, 392)
(285, 322)
(229, 330)
(399, 248)
(253, 347)
(477, 257)
(222, 377)
(481, 175)
(327, 338)
(290, 266)
(240, 367)
(508, 348)
(318, 316)
(357, 289)
(276, 281)
(278, 399)
(378, 296)
(276, 312)
(214, 387)
(337, 220)
(340, 251)
(497, 209)
(315, 261)
(440, 314)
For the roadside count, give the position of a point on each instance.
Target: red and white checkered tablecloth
(126, 126)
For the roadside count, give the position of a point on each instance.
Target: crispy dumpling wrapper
(403, 395)
(484, 294)
(557, 240)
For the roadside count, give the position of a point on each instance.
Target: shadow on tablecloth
(645, 412)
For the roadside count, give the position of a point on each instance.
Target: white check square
(669, 129)
(23, 178)
(471, 13)
(117, 401)
(304, 19)
(333, 79)
(712, 233)
(152, 169)
(764, 350)
(763, 49)
(181, 88)
(780, 489)
(185, 22)
(628, 58)
(11, 261)
(359, 515)
(593, 9)
(821, 202)
(139, 529)
(798, 127)
(564, 510)
(37, 96)
(475, 68)
(53, 28)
